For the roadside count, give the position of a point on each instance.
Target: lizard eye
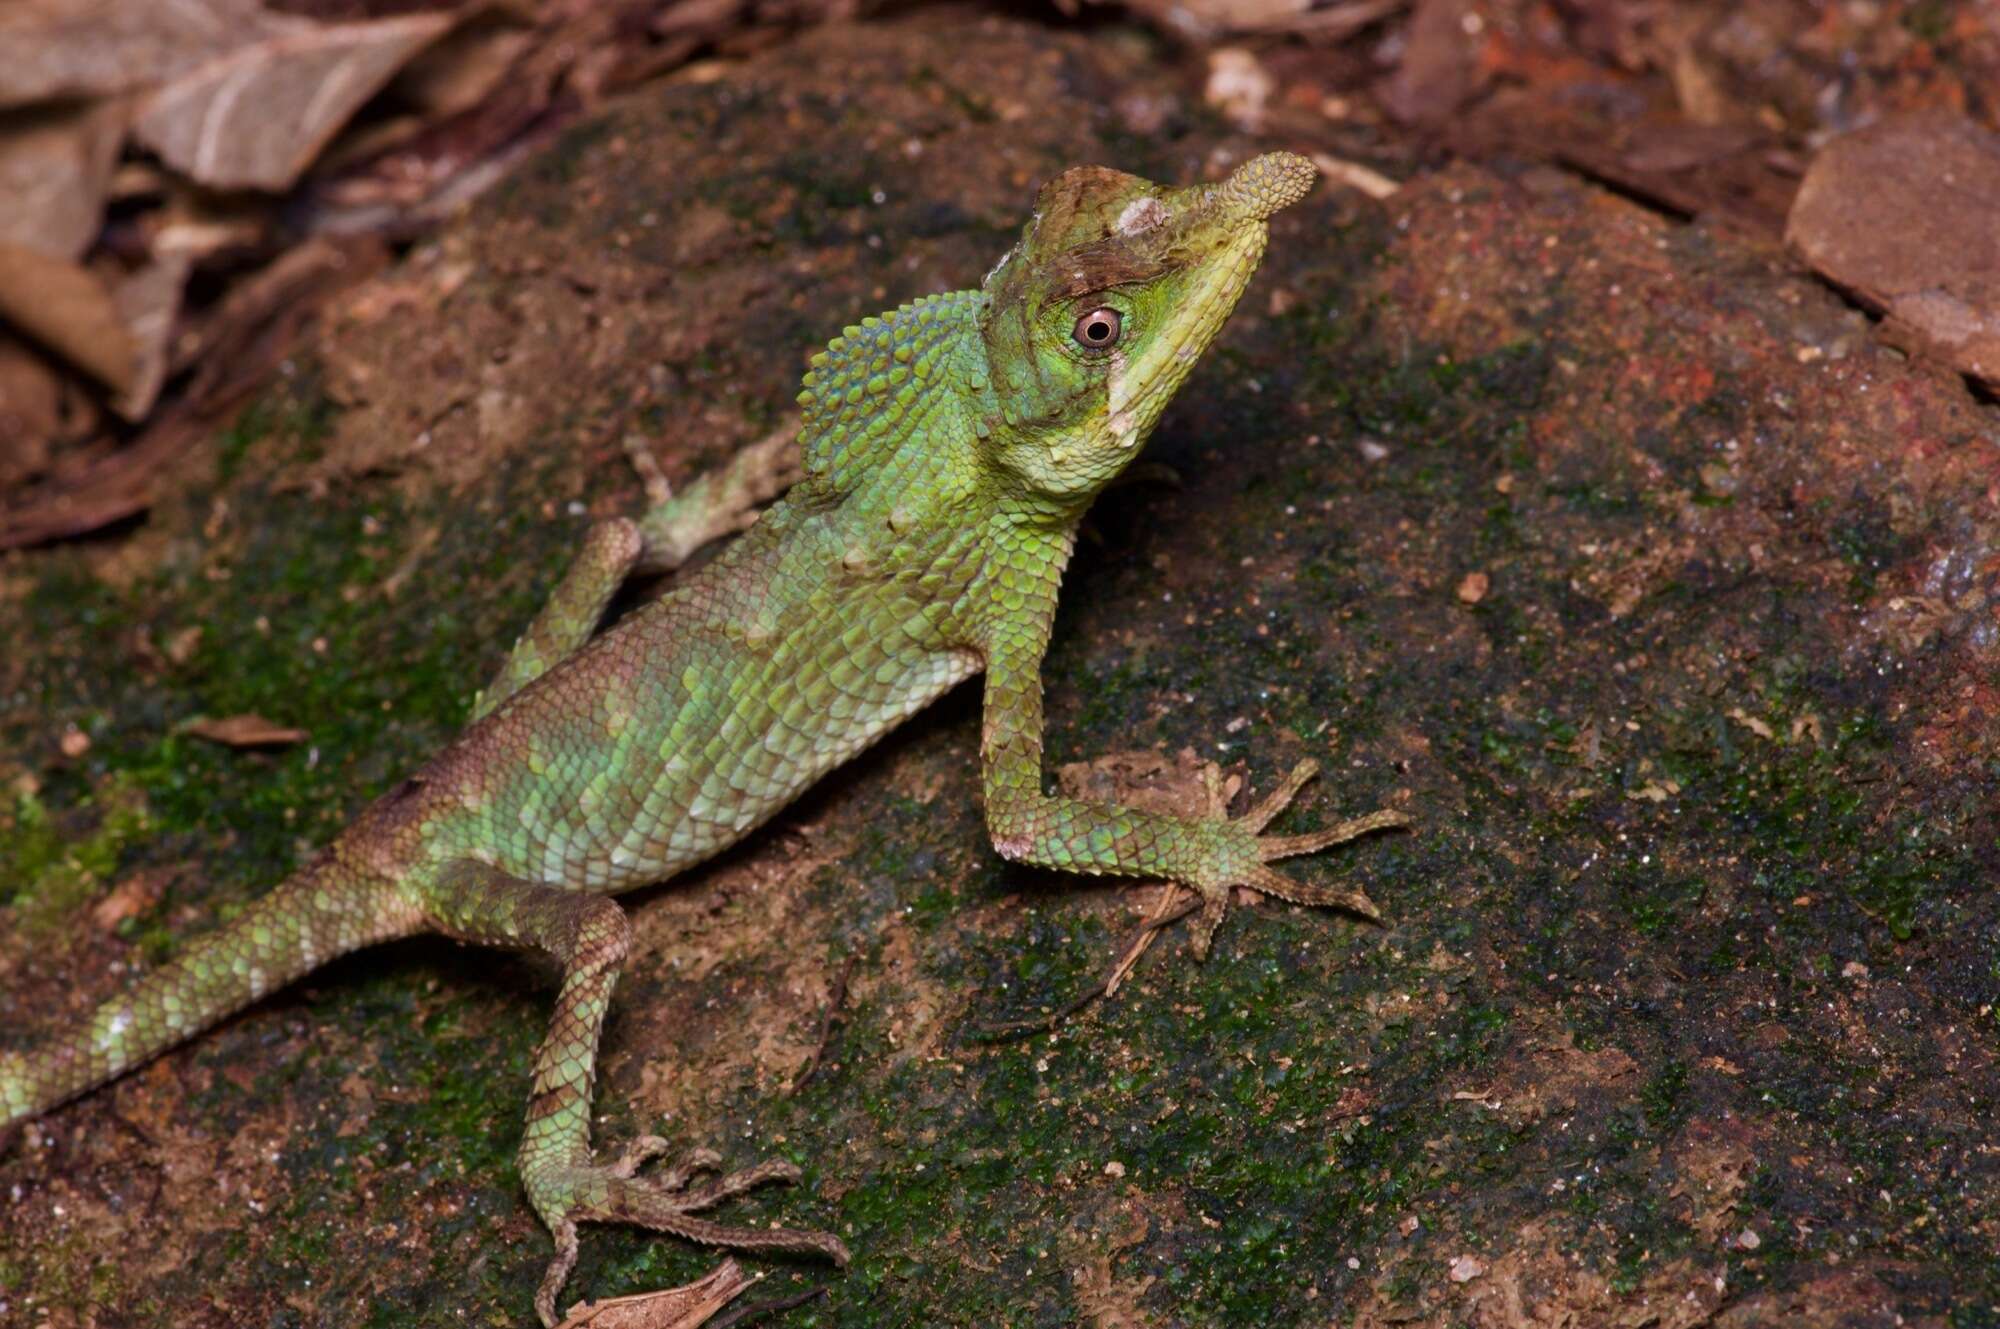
(1097, 330)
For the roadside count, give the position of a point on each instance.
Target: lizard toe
(1273, 847)
(1201, 929)
(1258, 817)
(557, 1274)
(1272, 882)
(642, 1150)
(691, 1165)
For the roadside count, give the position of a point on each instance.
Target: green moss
(1930, 20)
(49, 870)
(368, 621)
(234, 442)
(1663, 1095)
(1867, 543)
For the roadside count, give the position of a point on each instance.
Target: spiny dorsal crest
(860, 389)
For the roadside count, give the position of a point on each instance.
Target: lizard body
(949, 450)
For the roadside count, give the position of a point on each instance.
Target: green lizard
(950, 448)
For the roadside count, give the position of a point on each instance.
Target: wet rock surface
(1684, 1010)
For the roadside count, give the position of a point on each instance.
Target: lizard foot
(667, 1202)
(1259, 875)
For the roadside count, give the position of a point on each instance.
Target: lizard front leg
(588, 936)
(715, 503)
(1211, 855)
(572, 611)
(674, 526)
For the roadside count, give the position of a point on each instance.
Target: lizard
(948, 451)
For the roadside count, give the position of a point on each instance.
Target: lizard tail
(325, 909)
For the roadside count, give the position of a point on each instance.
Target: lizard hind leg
(588, 935)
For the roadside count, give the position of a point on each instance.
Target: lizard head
(1093, 319)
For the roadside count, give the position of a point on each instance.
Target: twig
(1162, 917)
(1169, 892)
(741, 1314)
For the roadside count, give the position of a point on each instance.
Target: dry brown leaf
(705, 18)
(449, 78)
(148, 301)
(198, 223)
(102, 484)
(374, 137)
(59, 49)
(456, 72)
(1678, 145)
(258, 116)
(55, 168)
(687, 1307)
(30, 409)
(244, 731)
(1901, 214)
(1439, 69)
(67, 309)
(1206, 20)
(133, 895)
(291, 282)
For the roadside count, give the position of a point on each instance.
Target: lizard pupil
(1097, 330)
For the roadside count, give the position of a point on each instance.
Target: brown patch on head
(1094, 228)
(1083, 205)
(1114, 262)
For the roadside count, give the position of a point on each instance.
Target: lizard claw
(642, 1150)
